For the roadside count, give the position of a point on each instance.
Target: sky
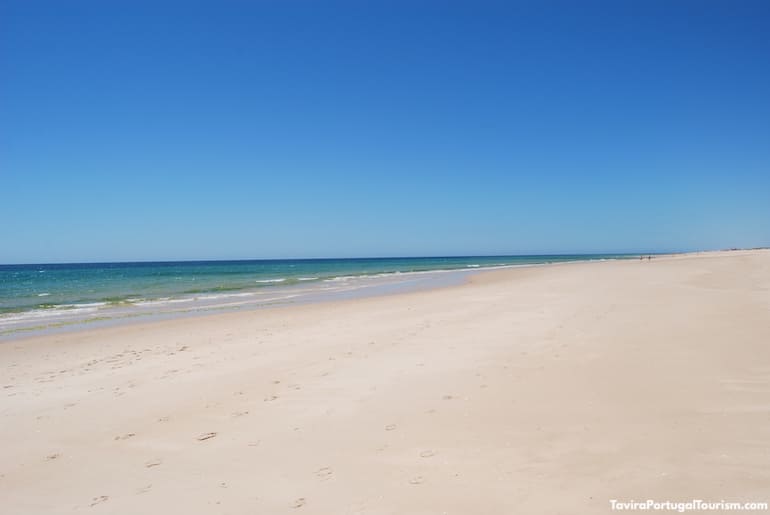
(135, 130)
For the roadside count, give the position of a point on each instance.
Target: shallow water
(47, 296)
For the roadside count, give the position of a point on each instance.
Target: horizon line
(436, 256)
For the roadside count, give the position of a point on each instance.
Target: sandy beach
(549, 389)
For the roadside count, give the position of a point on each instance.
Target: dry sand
(542, 390)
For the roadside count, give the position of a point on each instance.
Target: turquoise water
(43, 293)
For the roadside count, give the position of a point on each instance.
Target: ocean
(36, 297)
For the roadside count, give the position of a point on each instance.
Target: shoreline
(233, 301)
(468, 277)
(461, 277)
(282, 298)
(537, 390)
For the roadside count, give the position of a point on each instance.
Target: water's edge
(270, 293)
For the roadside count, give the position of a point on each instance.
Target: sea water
(40, 296)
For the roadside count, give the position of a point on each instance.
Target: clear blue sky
(133, 130)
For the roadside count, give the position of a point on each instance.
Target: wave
(342, 278)
(12, 318)
(278, 280)
(161, 301)
(225, 296)
(79, 305)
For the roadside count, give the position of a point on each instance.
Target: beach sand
(548, 389)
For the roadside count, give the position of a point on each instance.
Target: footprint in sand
(427, 454)
(99, 500)
(447, 397)
(390, 427)
(153, 463)
(324, 473)
(206, 436)
(125, 436)
(299, 503)
(52, 456)
(144, 489)
(271, 398)
(418, 480)
(239, 413)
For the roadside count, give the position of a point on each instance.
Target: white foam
(36, 314)
(307, 278)
(279, 280)
(225, 296)
(162, 301)
(46, 294)
(83, 305)
(341, 278)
